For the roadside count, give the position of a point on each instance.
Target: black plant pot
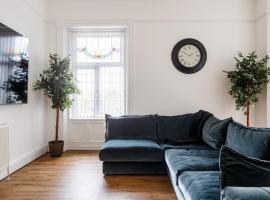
(56, 148)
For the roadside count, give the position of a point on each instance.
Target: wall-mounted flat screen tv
(14, 61)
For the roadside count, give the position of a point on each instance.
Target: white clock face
(189, 55)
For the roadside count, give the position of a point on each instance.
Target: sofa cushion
(239, 170)
(215, 131)
(174, 129)
(186, 146)
(200, 185)
(245, 193)
(131, 127)
(181, 129)
(199, 118)
(180, 160)
(207, 153)
(131, 151)
(251, 142)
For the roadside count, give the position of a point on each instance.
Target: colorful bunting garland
(98, 54)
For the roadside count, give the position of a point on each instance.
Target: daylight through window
(99, 67)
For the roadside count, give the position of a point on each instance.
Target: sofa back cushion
(215, 131)
(251, 142)
(199, 118)
(131, 127)
(174, 129)
(181, 129)
(238, 170)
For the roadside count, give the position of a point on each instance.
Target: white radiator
(4, 150)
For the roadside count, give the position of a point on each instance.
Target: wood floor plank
(77, 175)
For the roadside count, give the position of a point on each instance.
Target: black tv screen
(14, 62)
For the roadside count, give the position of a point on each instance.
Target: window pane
(84, 104)
(99, 47)
(112, 92)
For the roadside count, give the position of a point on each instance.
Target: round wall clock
(189, 56)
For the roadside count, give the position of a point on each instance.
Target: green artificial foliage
(248, 80)
(58, 84)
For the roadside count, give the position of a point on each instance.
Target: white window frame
(73, 34)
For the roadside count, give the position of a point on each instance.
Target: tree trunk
(248, 116)
(57, 124)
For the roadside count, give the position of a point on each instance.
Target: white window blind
(99, 67)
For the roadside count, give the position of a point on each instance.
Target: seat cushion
(131, 127)
(131, 151)
(200, 185)
(207, 153)
(246, 193)
(186, 146)
(181, 160)
(215, 131)
(251, 142)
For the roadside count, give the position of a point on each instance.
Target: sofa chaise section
(131, 146)
(181, 160)
(128, 156)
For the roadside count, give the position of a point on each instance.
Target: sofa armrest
(241, 171)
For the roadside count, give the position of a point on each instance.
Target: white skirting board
(81, 145)
(24, 160)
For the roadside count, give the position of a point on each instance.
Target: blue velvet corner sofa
(205, 158)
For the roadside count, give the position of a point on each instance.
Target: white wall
(159, 87)
(262, 24)
(27, 122)
(261, 48)
(223, 26)
(151, 9)
(268, 52)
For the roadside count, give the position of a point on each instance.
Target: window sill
(85, 121)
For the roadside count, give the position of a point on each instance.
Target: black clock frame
(182, 68)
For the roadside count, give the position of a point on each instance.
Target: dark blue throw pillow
(251, 142)
(215, 131)
(241, 171)
(131, 127)
(174, 129)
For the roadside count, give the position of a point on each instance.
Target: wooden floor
(77, 175)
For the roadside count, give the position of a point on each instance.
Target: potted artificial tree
(58, 84)
(248, 81)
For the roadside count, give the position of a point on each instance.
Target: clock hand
(185, 53)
